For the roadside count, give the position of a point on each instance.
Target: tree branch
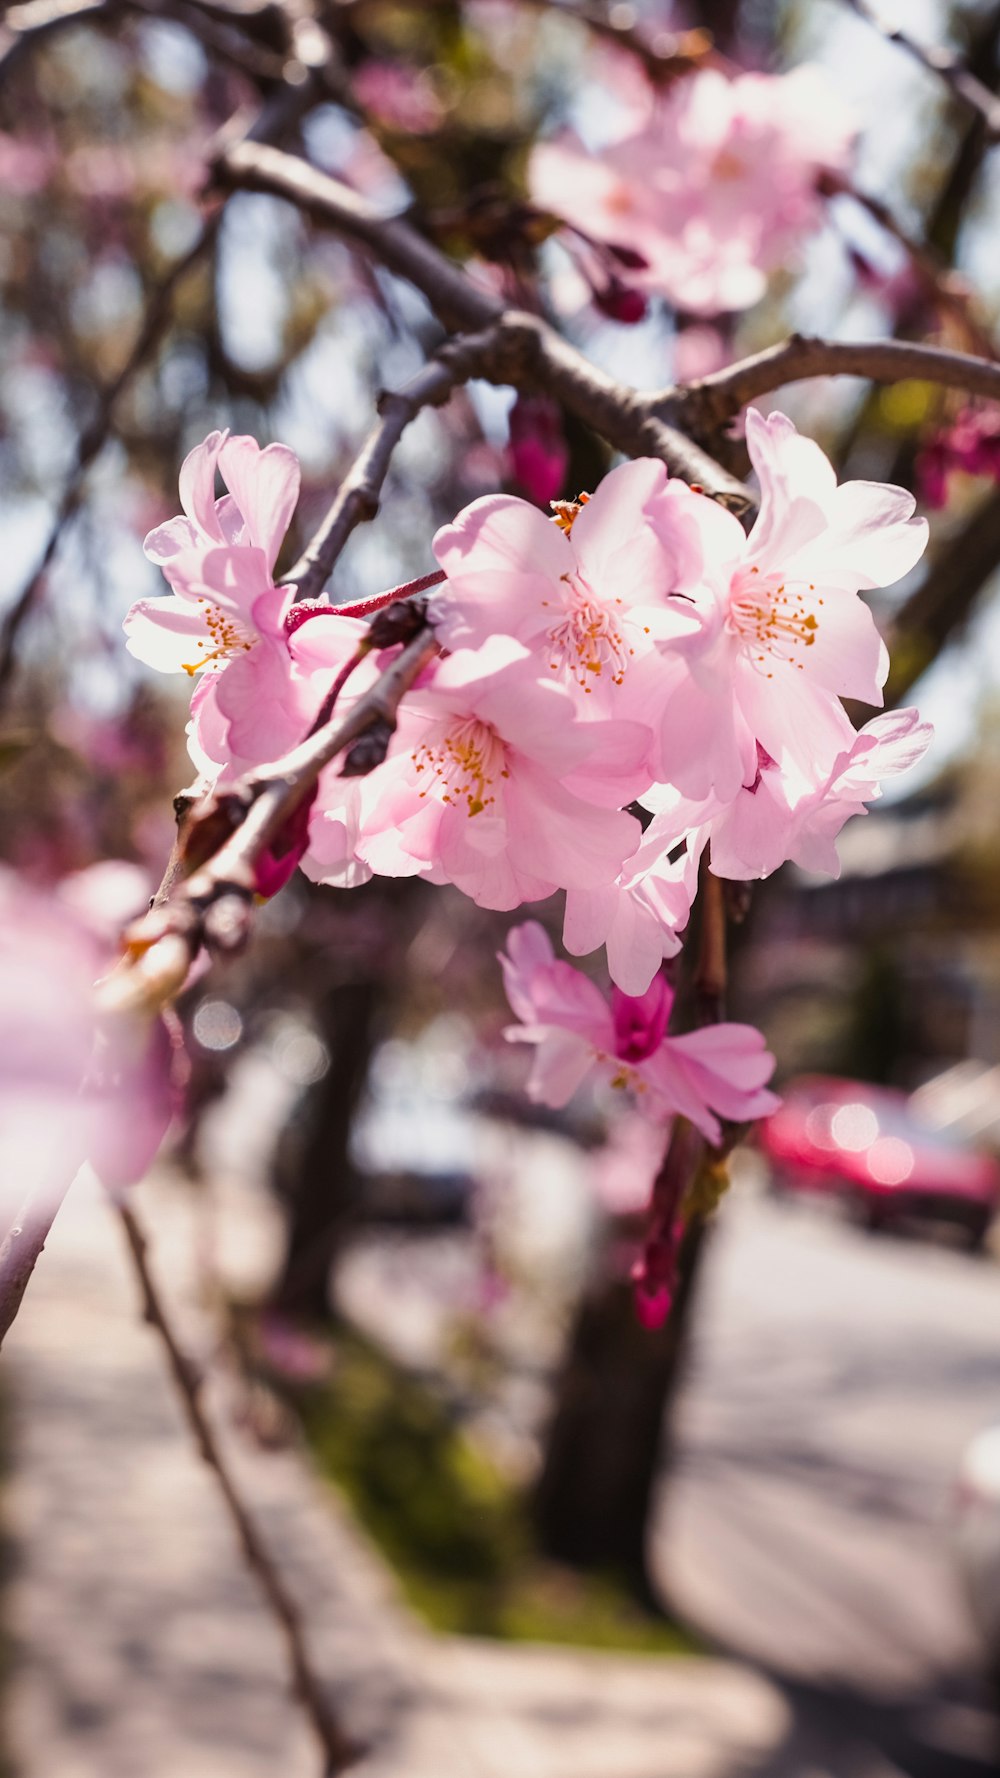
(338, 1750)
(527, 352)
(357, 498)
(21, 1250)
(458, 303)
(714, 399)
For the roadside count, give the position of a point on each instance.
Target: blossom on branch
(783, 635)
(721, 1071)
(493, 784)
(591, 595)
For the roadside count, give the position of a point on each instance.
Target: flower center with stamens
(465, 761)
(728, 166)
(227, 636)
(588, 641)
(776, 620)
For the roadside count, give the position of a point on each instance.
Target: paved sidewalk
(140, 1649)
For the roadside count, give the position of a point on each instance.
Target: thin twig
(338, 1750)
(282, 111)
(94, 437)
(941, 284)
(357, 498)
(945, 65)
(527, 352)
(22, 1248)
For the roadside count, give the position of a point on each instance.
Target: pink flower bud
(538, 453)
(620, 302)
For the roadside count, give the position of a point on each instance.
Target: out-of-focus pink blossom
(71, 1089)
(720, 1071)
(971, 443)
(539, 456)
(401, 98)
(698, 351)
(108, 172)
(624, 1169)
(25, 165)
(714, 188)
(784, 635)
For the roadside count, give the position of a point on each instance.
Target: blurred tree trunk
(323, 1191)
(611, 1426)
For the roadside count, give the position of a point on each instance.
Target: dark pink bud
(275, 866)
(654, 1277)
(652, 1306)
(538, 454)
(620, 302)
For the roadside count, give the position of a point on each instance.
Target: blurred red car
(867, 1145)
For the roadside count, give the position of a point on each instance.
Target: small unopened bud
(538, 451)
(368, 751)
(652, 1305)
(397, 623)
(621, 302)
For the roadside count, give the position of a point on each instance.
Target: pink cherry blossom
(639, 918)
(592, 602)
(782, 816)
(225, 610)
(713, 184)
(319, 646)
(492, 784)
(720, 1071)
(784, 636)
(70, 1089)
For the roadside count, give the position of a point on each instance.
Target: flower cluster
(709, 187)
(636, 651)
